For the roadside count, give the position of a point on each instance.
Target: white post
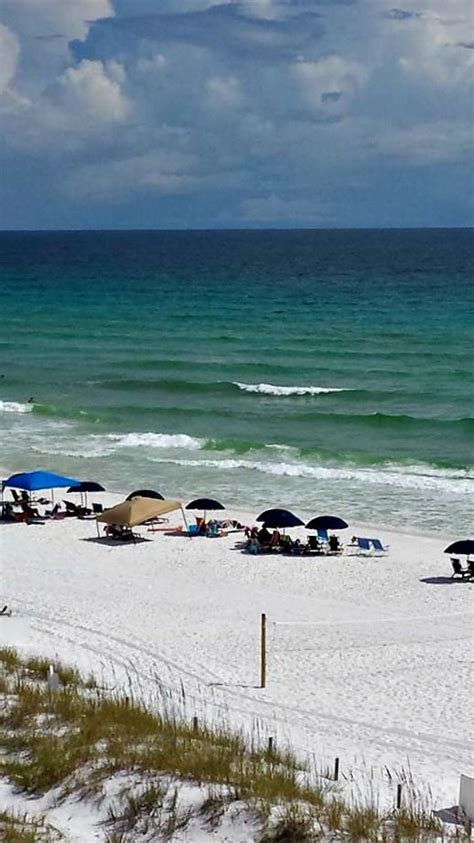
(53, 679)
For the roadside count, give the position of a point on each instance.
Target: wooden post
(270, 744)
(263, 651)
(336, 769)
(399, 796)
(195, 724)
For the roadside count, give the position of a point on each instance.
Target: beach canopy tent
(145, 493)
(84, 487)
(137, 511)
(279, 519)
(327, 522)
(33, 481)
(464, 546)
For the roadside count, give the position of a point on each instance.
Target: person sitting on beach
(264, 537)
(275, 540)
(334, 544)
(30, 512)
(115, 531)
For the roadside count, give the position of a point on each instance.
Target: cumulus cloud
(260, 112)
(92, 90)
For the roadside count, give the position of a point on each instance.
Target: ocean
(324, 371)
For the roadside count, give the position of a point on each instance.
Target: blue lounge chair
(363, 547)
(322, 535)
(379, 548)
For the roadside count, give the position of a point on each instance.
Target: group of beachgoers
(23, 509)
(261, 540)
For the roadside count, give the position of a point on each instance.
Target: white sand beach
(369, 659)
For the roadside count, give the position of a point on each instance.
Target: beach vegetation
(23, 828)
(77, 738)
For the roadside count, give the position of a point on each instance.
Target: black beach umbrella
(327, 522)
(464, 546)
(145, 493)
(86, 486)
(205, 504)
(279, 519)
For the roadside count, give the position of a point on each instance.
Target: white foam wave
(105, 445)
(271, 389)
(404, 477)
(15, 407)
(155, 440)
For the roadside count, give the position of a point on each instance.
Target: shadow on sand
(109, 542)
(443, 580)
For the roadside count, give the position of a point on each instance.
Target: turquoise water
(325, 371)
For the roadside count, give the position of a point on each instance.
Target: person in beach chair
(118, 531)
(316, 546)
(78, 511)
(459, 571)
(264, 537)
(30, 511)
(335, 545)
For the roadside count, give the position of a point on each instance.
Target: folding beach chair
(379, 548)
(322, 535)
(363, 547)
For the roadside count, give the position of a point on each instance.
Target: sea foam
(271, 389)
(15, 407)
(155, 440)
(409, 477)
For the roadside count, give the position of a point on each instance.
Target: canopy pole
(185, 521)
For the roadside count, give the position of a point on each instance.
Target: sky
(236, 114)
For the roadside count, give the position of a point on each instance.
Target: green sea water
(324, 371)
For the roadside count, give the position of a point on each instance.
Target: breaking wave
(271, 389)
(155, 440)
(15, 407)
(415, 477)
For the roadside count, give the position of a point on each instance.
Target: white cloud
(163, 171)
(92, 91)
(273, 209)
(224, 90)
(9, 52)
(270, 107)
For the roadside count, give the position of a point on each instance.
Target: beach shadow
(443, 580)
(450, 815)
(109, 542)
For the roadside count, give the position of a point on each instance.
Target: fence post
(270, 744)
(263, 650)
(195, 724)
(336, 769)
(399, 796)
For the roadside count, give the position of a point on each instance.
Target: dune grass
(78, 737)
